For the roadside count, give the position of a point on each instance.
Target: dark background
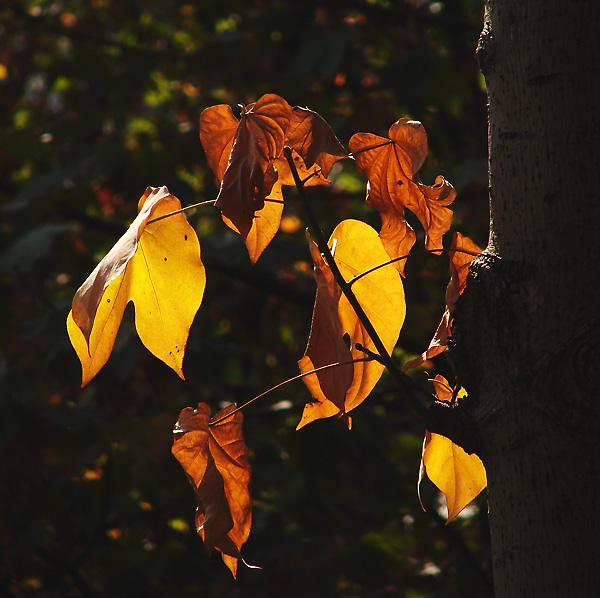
(98, 100)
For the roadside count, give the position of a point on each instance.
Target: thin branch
(403, 257)
(371, 354)
(262, 394)
(419, 397)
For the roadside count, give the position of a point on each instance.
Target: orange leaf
(215, 459)
(245, 157)
(458, 475)
(336, 329)
(257, 141)
(267, 220)
(218, 127)
(459, 268)
(310, 135)
(158, 267)
(326, 344)
(391, 166)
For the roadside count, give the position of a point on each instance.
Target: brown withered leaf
(246, 157)
(336, 329)
(267, 220)
(311, 136)
(459, 268)
(457, 474)
(215, 459)
(218, 127)
(390, 165)
(258, 140)
(326, 343)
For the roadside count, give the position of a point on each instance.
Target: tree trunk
(527, 328)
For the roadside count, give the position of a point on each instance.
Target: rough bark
(527, 329)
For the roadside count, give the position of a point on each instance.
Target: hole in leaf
(347, 340)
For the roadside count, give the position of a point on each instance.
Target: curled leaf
(326, 344)
(336, 329)
(314, 140)
(215, 459)
(246, 157)
(157, 266)
(391, 165)
(462, 252)
(256, 142)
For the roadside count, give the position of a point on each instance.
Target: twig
(420, 399)
(196, 205)
(302, 375)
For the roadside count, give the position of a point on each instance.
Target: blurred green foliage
(101, 98)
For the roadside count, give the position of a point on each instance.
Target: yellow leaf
(336, 329)
(265, 224)
(158, 267)
(458, 475)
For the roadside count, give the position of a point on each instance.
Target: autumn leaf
(256, 141)
(336, 329)
(458, 475)
(157, 266)
(264, 225)
(391, 166)
(326, 343)
(218, 127)
(267, 220)
(314, 140)
(315, 150)
(214, 456)
(462, 252)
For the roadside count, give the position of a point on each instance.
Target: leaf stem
(196, 205)
(419, 397)
(262, 394)
(403, 257)
(371, 147)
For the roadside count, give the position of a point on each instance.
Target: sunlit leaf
(459, 268)
(215, 459)
(256, 142)
(246, 157)
(391, 167)
(458, 475)
(218, 127)
(326, 344)
(267, 220)
(312, 137)
(336, 328)
(157, 266)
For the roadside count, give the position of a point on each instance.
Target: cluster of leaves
(359, 307)
(100, 99)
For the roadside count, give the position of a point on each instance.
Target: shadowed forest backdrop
(100, 99)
